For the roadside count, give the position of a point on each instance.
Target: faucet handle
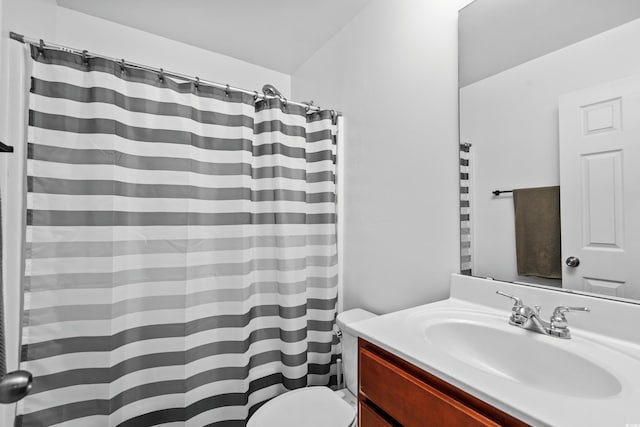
(517, 302)
(519, 312)
(559, 311)
(559, 324)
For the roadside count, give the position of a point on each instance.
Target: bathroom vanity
(459, 362)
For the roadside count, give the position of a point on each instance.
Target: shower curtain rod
(40, 42)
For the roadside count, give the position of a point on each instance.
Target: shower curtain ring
(41, 48)
(255, 96)
(197, 83)
(161, 75)
(226, 91)
(308, 106)
(85, 58)
(123, 66)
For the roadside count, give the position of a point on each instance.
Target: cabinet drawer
(410, 401)
(369, 418)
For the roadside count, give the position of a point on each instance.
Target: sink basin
(521, 356)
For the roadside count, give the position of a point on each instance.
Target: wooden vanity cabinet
(393, 392)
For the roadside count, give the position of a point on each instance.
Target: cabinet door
(408, 400)
(406, 395)
(369, 418)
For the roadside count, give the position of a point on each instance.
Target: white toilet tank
(350, 345)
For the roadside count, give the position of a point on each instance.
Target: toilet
(320, 406)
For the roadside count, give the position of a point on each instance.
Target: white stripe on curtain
(181, 258)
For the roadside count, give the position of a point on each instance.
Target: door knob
(572, 262)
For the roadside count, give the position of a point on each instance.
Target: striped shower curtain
(180, 261)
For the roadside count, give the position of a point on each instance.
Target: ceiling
(495, 35)
(276, 34)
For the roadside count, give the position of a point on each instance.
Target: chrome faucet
(528, 318)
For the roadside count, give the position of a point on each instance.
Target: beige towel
(537, 213)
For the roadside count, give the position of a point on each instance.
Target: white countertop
(617, 352)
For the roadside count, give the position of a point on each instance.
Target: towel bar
(5, 148)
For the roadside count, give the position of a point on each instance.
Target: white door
(600, 188)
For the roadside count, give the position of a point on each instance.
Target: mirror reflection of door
(517, 58)
(600, 187)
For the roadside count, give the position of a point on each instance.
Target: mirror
(518, 59)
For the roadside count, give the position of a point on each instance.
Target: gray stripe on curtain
(118, 188)
(110, 96)
(109, 157)
(109, 280)
(119, 248)
(103, 407)
(114, 218)
(96, 343)
(60, 122)
(181, 259)
(44, 316)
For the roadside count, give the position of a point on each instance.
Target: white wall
(393, 73)
(78, 30)
(511, 119)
